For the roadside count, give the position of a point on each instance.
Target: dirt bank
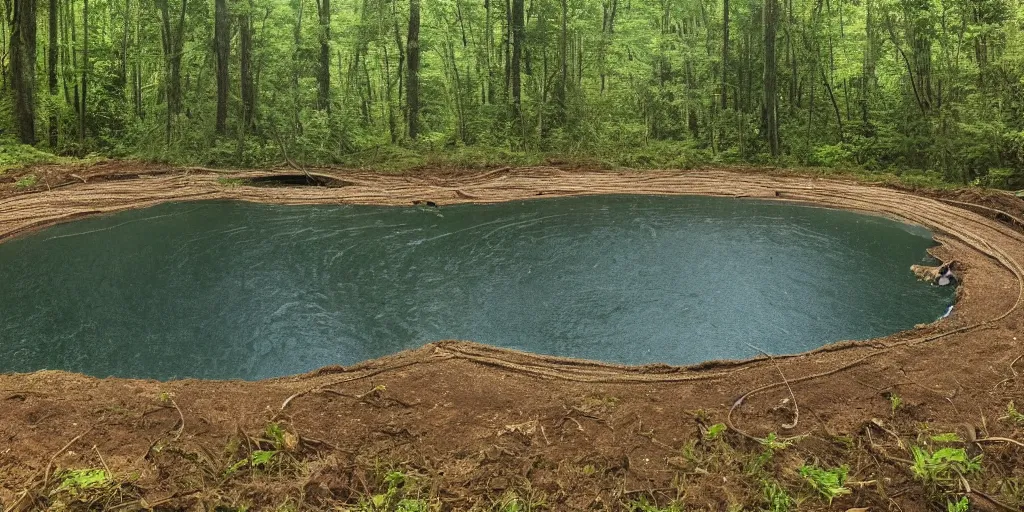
(466, 426)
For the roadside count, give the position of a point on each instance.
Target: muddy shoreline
(473, 424)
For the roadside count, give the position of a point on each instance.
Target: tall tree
(51, 64)
(222, 49)
(323, 76)
(245, 68)
(23, 69)
(83, 110)
(725, 55)
(412, 85)
(518, 34)
(770, 118)
(173, 45)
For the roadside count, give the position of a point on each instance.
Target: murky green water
(238, 290)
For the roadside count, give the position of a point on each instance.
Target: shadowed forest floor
(910, 422)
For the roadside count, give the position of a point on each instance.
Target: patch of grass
(231, 182)
(948, 437)
(642, 505)
(27, 181)
(775, 497)
(830, 483)
(14, 155)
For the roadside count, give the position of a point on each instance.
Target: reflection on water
(240, 290)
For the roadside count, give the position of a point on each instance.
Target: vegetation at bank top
(928, 87)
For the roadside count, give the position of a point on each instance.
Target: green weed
(393, 498)
(830, 483)
(943, 467)
(77, 480)
(774, 444)
(895, 402)
(775, 497)
(715, 431)
(961, 505)
(1013, 415)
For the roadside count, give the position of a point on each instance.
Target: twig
(994, 501)
(766, 387)
(104, 462)
(796, 407)
(999, 440)
(181, 417)
(46, 474)
(342, 381)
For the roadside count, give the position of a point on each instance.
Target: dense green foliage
(932, 86)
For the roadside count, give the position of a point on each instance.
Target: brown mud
(471, 427)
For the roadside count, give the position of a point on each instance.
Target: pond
(227, 290)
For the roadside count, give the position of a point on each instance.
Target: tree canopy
(934, 86)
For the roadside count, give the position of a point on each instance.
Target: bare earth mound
(458, 426)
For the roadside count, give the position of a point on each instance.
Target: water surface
(241, 290)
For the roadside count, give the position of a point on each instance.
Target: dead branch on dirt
(999, 440)
(181, 419)
(366, 375)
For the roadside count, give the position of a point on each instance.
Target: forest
(929, 87)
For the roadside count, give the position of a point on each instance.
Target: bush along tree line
(933, 87)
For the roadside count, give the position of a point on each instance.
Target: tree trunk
(51, 63)
(413, 82)
(564, 57)
(85, 74)
(517, 56)
(245, 58)
(23, 70)
(323, 77)
(770, 116)
(222, 50)
(725, 54)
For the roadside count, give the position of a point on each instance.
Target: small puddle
(240, 290)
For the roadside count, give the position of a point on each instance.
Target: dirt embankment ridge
(460, 426)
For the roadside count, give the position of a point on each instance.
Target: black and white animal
(946, 276)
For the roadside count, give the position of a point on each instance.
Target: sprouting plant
(392, 498)
(1013, 415)
(773, 443)
(714, 431)
(776, 498)
(830, 483)
(961, 505)
(943, 467)
(895, 402)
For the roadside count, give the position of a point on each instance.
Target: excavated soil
(472, 426)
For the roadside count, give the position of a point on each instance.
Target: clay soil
(474, 427)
